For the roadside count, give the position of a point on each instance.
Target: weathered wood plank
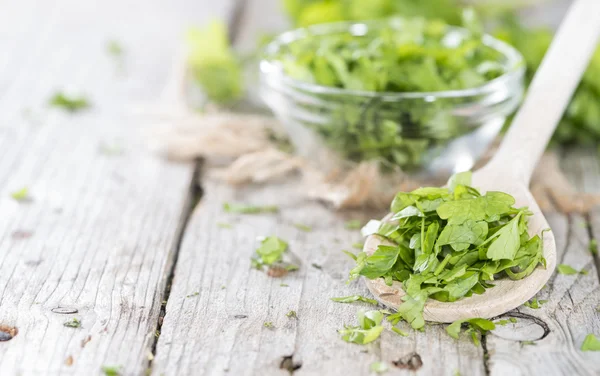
(99, 233)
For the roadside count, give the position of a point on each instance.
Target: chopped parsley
(566, 269)
(450, 243)
(240, 208)
(111, 370)
(354, 298)
(70, 103)
(534, 303)
(268, 325)
(292, 315)
(270, 251)
(593, 246)
(302, 227)
(590, 343)
(474, 326)
(379, 367)
(368, 329)
(353, 224)
(73, 323)
(21, 195)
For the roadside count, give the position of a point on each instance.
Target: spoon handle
(550, 91)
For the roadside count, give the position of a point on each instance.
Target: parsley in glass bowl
(420, 95)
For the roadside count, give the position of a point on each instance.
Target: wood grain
(222, 327)
(99, 231)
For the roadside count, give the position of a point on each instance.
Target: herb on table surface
(474, 326)
(284, 285)
(379, 367)
(70, 103)
(240, 208)
(528, 343)
(593, 246)
(195, 293)
(268, 325)
(399, 331)
(73, 323)
(224, 225)
(354, 298)
(302, 227)
(213, 64)
(566, 269)
(21, 195)
(358, 245)
(534, 303)
(353, 224)
(270, 253)
(350, 254)
(368, 329)
(316, 266)
(513, 320)
(111, 370)
(450, 243)
(114, 48)
(590, 343)
(292, 315)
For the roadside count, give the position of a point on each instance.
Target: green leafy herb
(73, 323)
(399, 331)
(353, 224)
(590, 343)
(502, 322)
(474, 326)
(593, 246)
(534, 303)
(566, 269)
(450, 243)
(292, 315)
(528, 343)
(239, 208)
(213, 63)
(302, 227)
(111, 370)
(354, 298)
(379, 367)
(350, 254)
(284, 285)
(368, 329)
(114, 48)
(70, 103)
(268, 325)
(21, 195)
(407, 55)
(513, 320)
(270, 251)
(358, 245)
(195, 293)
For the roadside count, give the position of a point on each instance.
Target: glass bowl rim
(267, 66)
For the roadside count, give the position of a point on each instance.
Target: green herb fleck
(316, 266)
(353, 224)
(350, 254)
(302, 227)
(292, 315)
(284, 285)
(474, 325)
(270, 251)
(239, 208)
(528, 343)
(590, 343)
(114, 48)
(358, 245)
(593, 246)
(224, 225)
(502, 322)
(291, 267)
(399, 331)
(534, 303)
(195, 293)
(354, 298)
(513, 320)
(268, 325)
(73, 323)
(21, 195)
(111, 370)
(379, 367)
(368, 329)
(70, 103)
(566, 269)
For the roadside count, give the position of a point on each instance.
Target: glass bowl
(422, 133)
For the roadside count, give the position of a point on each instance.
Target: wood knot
(524, 328)
(64, 310)
(7, 332)
(411, 362)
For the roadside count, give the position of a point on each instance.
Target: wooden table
(129, 244)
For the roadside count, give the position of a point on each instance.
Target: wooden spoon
(511, 168)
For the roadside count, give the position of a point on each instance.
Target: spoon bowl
(507, 294)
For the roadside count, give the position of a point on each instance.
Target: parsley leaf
(21, 195)
(368, 330)
(354, 298)
(566, 269)
(590, 343)
(73, 323)
(353, 224)
(593, 246)
(111, 370)
(249, 209)
(270, 251)
(70, 103)
(534, 303)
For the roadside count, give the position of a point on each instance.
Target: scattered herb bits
(270, 253)
(566, 269)
(450, 243)
(590, 343)
(474, 326)
(535, 303)
(354, 298)
(239, 208)
(71, 103)
(73, 323)
(368, 329)
(111, 370)
(21, 195)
